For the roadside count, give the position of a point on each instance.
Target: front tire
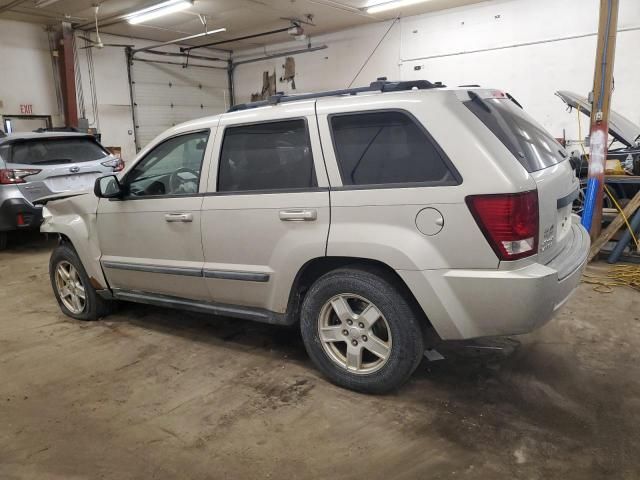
(361, 331)
(71, 286)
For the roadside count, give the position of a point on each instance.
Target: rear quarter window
(525, 138)
(56, 151)
(387, 148)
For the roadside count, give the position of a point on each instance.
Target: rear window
(55, 151)
(387, 148)
(527, 140)
(4, 153)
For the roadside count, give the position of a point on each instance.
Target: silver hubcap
(70, 288)
(354, 333)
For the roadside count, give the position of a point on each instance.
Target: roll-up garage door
(165, 95)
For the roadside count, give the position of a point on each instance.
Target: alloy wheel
(354, 333)
(70, 288)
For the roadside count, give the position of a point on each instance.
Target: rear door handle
(298, 215)
(178, 217)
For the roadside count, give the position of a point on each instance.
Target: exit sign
(26, 109)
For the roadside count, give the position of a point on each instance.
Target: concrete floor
(153, 393)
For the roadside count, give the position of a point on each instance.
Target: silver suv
(34, 165)
(369, 216)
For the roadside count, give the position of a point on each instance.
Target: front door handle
(298, 215)
(178, 217)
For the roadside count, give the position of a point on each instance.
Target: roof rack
(57, 129)
(380, 85)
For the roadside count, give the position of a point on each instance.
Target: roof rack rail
(380, 85)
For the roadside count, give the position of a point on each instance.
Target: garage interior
(151, 392)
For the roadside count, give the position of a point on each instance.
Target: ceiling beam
(181, 55)
(281, 54)
(10, 5)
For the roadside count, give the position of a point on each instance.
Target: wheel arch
(80, 237)
(317, 267)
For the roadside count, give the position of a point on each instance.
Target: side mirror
(108, 187)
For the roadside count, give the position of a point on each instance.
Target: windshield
(527, 140)
(54, 151)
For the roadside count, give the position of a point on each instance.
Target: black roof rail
(58, 129)
(380, 85)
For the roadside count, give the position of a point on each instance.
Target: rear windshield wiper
(476, 98)
(510, 97)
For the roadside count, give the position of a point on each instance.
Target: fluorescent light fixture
(159, 10)
(383, 7)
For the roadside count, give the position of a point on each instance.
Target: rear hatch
(541, 155)
(62, 164)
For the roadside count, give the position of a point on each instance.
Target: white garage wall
(529, 47)
(27, 77)
(111, 86)
(26, 72)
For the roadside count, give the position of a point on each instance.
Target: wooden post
(602, 88)
(67, 75)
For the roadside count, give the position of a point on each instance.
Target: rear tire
(71, 286)
(3, 240)
(361, 331)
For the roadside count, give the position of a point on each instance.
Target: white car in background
(36, 165)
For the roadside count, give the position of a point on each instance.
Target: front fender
(75, 218)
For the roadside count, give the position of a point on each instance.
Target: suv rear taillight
(116, 163)
(10, 176)
(509, 222)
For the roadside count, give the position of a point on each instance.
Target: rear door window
(387, 148)
(56, 151)
(527, 140)
(266, 156)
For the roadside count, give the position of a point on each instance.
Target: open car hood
(622, 129)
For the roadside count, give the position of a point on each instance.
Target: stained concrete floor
(153, 393)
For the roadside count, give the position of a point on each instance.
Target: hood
(59, 196)
(621, 128)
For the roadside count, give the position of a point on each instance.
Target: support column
(602, 89)
(230, 71)
(67, 75)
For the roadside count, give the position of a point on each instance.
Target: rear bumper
(465, 304)
(19, 214)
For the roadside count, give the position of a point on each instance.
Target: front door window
(171, 168)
